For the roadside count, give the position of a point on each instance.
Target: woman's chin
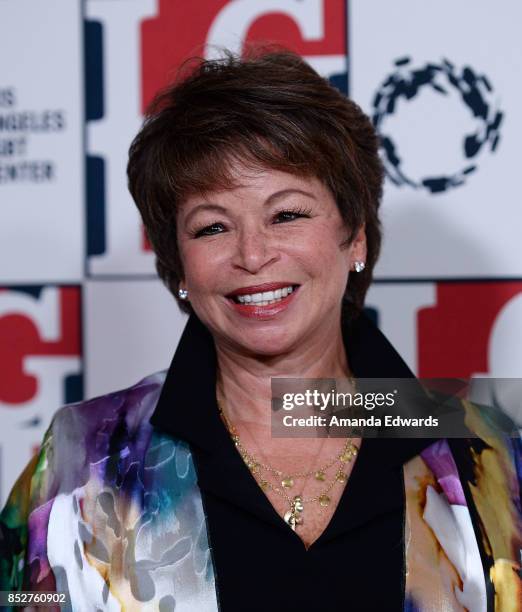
(267, 343)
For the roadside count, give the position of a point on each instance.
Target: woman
(259, 186)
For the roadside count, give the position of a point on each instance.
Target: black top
(261, 564)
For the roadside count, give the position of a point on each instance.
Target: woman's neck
(244, 381)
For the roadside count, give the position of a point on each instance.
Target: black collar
(187, 407)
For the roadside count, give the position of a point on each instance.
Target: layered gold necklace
(294, 515)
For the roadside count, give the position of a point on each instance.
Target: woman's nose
(254, 250)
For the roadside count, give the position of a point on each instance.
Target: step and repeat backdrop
(81, 310)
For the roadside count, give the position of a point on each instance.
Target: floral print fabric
(110, 513)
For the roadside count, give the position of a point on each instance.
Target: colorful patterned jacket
(110, 513)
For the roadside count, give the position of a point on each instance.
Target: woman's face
(263, 262)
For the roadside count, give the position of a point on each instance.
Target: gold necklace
(293, 517)
(255, 465)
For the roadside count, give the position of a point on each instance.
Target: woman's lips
(255, 311)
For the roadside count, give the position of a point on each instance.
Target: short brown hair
(269, 109)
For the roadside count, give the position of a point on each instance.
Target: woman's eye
(290, 215)
(209, 230)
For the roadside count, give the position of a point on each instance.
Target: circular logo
(473, 90)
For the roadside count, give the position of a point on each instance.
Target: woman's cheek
(199, 262)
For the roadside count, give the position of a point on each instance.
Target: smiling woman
(259, 187)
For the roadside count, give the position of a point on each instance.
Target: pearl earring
(359, 266)
(183, 294)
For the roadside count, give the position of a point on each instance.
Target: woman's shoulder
(110, 428)
(463, 498)
(93, 440)
(122, 413)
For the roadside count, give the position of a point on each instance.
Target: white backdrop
(471, 230)
(41, 136)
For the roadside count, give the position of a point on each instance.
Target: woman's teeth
(265, 298)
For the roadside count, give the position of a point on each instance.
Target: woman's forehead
(260, 183)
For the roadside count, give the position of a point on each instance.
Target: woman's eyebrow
(205, 206)
(278, 195)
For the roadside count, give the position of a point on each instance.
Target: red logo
(40, 322)
(183, 29)
(455, 337)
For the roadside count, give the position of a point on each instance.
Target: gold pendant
(291, 516)
(348, 453)
(324, 500)
(287, 482)
(320, 476)
(290, 519)
(298, 503)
